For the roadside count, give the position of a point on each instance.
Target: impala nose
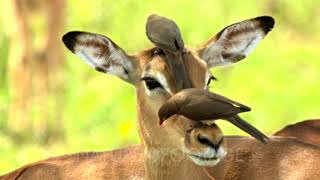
(207, 136)
(209, 141)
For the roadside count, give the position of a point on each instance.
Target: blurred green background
(92, 111)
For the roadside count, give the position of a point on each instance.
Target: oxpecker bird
(164, 33)
(202, 105)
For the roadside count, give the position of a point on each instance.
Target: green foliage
(279, 80)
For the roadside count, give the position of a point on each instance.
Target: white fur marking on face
(221, 152)
(162, 80)
(147, 90)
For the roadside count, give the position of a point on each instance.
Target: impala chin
(209, 157)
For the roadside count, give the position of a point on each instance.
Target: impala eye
(151, 83)
(210, 79)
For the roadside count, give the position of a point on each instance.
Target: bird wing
(197, 107)
(223, 99)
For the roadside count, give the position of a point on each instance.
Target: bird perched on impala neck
(202, 105)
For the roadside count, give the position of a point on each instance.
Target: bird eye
(158, 51)
(210, 79)
(151, 83)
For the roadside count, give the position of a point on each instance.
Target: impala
(180, 148)
(307, 131)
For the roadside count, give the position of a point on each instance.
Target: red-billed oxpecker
(165, 35)
(202, 105)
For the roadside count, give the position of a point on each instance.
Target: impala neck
(167, 164)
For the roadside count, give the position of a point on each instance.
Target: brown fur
(117, 164)
(246, 158)
(307, 131)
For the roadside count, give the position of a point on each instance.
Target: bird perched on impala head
(164, 33)
(202, 105)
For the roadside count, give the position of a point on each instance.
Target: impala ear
(235, 42)
(102, 54)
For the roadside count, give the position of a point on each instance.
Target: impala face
(202, 143)
(150, 74)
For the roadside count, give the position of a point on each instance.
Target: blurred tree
(35, 62)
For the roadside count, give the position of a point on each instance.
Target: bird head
(167, 110)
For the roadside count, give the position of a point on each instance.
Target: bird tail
(248, 128)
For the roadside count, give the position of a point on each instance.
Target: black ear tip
(70, 38)
(266, 22)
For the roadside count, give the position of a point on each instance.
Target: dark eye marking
(212, 78)
(151, 83)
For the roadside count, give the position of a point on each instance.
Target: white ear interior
(236, 41)
(99, 52)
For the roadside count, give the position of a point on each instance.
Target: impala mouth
(205, 161)
(214, 158)
(210, 157)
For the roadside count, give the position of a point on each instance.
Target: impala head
(149, 72)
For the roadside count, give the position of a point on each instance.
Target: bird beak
(161, 121)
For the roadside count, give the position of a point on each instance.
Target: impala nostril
(209, 142)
